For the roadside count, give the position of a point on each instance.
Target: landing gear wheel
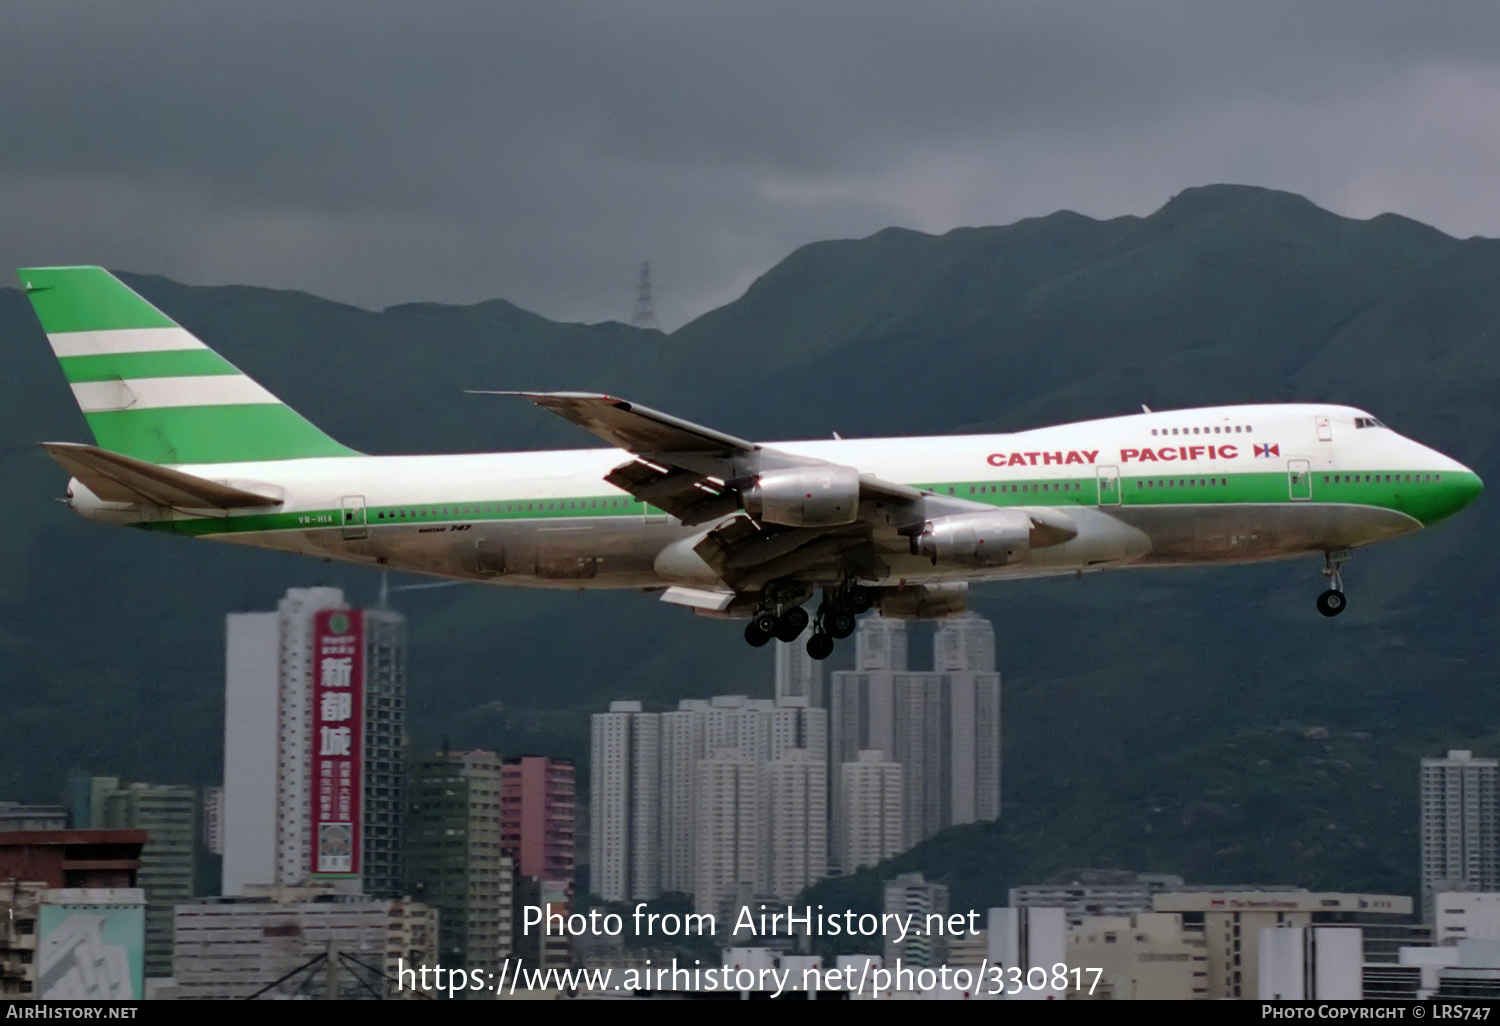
(754, 636)
(820, 646)
(1331, 602)
(859, 599)
(791, 624)
(839, 623)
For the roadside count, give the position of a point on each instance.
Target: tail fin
(152, 391)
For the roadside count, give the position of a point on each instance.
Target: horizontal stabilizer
(118, 478)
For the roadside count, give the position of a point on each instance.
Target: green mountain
(1153, 720)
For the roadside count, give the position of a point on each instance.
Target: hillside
(1152, 719)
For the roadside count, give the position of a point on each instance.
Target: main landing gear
(1332, 601)
(836, 617)
(834, 621)
(765, 625)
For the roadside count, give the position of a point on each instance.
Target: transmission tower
(645, 309)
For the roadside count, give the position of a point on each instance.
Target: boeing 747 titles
(187, 444)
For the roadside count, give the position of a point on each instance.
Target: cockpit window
(1367, 422)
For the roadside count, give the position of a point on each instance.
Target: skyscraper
(795, 803)
(314, 745)
(455, 862)
(1460, 826)
(169, 816)
(624, 803)
(947, 733)
(964, 653)
(873, 824)
(728, 823)
(798, 675)
(922, 749)
(862, 706)
(538, 809)
(682, 746)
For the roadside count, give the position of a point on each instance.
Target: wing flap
(118, 478)
(687, 495)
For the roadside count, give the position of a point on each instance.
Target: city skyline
(732, 798)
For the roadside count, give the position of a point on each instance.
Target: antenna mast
(645, 309)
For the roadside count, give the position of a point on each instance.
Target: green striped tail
(150, 389)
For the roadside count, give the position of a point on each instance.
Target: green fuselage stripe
(171, 363)
(1425, 496)
(212, 434)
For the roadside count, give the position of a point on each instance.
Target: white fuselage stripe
(123, 340)
(149, 393)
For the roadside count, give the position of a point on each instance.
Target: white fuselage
(1212, 485)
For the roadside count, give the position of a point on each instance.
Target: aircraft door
(1299, 480)
(1325, 429)
(352, 518)
(1109, 486)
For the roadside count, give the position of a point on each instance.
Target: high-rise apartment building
(964, 654)
(682, 746)
(314, 745)
(942, 726)
(861, 700)
(731, 854)
(455, 860)
(872, 815)
(625, 803)
(798, 675)
(862, 707)
(169, 816)
(795, 803)
(1460, 826)
(538, 809)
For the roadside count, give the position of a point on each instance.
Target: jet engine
(977, 539)
(819, 496)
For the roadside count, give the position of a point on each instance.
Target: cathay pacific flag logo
(1268, 450)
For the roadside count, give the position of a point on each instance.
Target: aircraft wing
(698, 475)
(685, 469)
(633, 427)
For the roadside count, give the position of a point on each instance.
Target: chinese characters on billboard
(337, 741)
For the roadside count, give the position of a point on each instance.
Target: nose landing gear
(1332, 601)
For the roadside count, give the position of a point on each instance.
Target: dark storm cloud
(458, 151)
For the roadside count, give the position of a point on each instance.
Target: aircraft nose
(1458, 488)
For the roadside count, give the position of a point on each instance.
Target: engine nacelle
(821, 496)
(977, 539)
(924, 601)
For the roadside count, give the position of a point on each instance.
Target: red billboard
(338, 688)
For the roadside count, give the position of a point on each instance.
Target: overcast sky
(385, 152)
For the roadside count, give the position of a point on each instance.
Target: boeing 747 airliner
(187, 444)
